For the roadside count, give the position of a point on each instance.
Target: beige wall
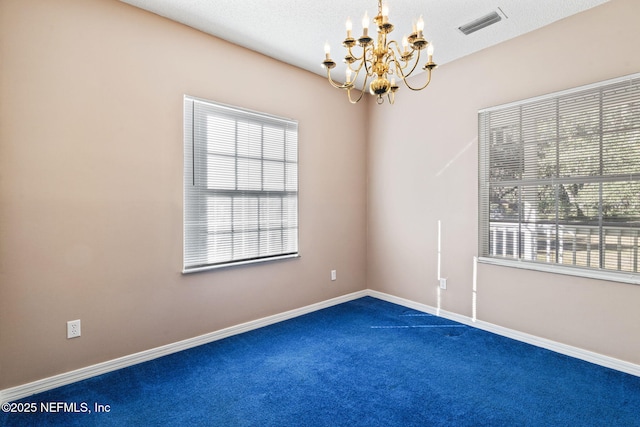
(424, 169)
(91, 185)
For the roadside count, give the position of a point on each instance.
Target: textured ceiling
(294, 31)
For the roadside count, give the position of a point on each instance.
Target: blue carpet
(362, 363)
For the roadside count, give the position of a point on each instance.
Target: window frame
(519, 160)
(201, 212)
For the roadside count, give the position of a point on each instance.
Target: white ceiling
(294, 31)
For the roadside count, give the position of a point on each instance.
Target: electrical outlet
(333, 275)
(73, 328)
(443, 283)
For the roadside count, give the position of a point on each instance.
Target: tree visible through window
(240, 186)
(560, 178)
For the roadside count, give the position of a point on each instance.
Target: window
(240, 186)
(560, 180)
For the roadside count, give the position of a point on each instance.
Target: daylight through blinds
(240, 185)
(560, 178)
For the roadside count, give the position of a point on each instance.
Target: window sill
(631, 278)
(238, 264)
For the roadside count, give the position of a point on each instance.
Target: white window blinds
(240, 186)
(560, 178)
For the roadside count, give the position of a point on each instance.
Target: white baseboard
(25, 390)
(578, 353)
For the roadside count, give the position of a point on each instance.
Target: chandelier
(382, 59)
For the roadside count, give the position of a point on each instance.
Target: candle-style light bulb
(365, 21)
(385, 13)
(349, 26)
(430, 51)
(365, 25)
(327, 50)
(420, 24)
(348, 74)
(405, 44)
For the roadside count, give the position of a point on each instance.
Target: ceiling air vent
(480, 23)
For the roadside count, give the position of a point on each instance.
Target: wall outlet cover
(73, 328)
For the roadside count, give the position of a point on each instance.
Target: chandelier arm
(357, 100)
(419, 88)
(357, 70)
(349, 86)
(356, 58)
(334, 84)
(391, 97)
(365, 61)
(362, 91)
(397, 47)
(364, 84)
(391, 58)
(398, 53)
(402, 74)
(354, 78)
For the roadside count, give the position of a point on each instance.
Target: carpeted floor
(362, 363)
